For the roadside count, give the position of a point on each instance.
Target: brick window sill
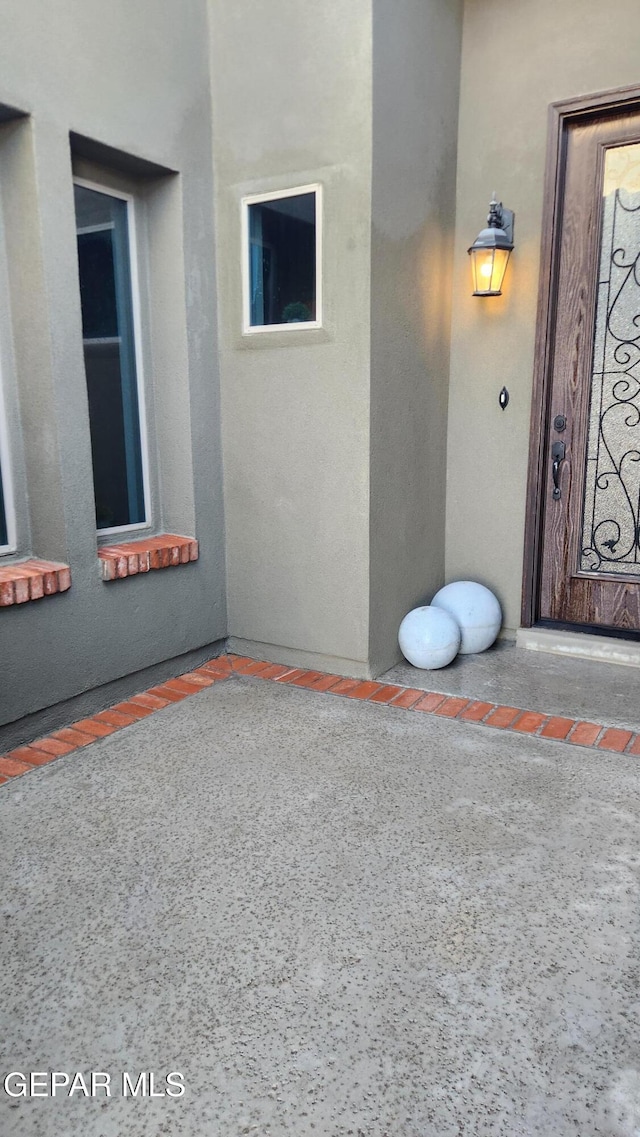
(132, 557)
(32, 580)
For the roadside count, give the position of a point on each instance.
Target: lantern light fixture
(491, 250)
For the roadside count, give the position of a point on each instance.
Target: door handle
(557, 454)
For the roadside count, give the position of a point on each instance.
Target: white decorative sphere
(429, 637)
(476, 611)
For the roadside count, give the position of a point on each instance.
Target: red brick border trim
(31, 580)
(595, 736)
(131, 557)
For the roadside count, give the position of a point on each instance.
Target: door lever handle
(557, 454)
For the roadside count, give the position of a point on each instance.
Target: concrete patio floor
(577, 688)
(332, 918)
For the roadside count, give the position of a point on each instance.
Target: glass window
(283, 260)
(102, 223)
(7, 519)
(4, 536)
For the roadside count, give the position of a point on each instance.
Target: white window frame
(129, 198)
(7, 482)
(249, 329)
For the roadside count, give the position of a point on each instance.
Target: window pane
(109, 357)
(611, 509)
(4, 540)
(282, 260)
(97, 284)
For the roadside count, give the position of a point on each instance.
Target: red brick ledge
(32, 580)
(551, 727)
(131, 557)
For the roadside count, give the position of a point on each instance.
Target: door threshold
(580, 645)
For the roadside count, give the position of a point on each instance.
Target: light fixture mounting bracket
(506, 222)
(501, 218)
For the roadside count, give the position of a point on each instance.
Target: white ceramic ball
(476, 611)
(429, 637)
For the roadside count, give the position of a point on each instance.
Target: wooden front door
(587, 460)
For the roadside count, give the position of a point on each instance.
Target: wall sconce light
(491, 250)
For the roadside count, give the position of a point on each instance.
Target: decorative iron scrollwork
(611, 519)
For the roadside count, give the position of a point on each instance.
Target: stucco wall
(333, 440)
(416, 62)
(292, 106)
(134, 77)
(518, 56)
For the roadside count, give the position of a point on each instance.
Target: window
(4, 535)
(7, 521)
(111, 340)
(282, 259)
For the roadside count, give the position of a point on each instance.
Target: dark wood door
(590, 501)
